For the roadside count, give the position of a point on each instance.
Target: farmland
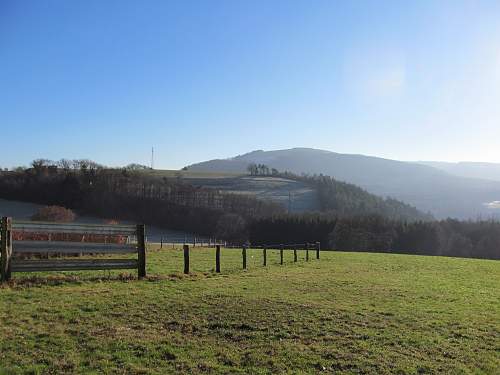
(295, 195)
(346, 313)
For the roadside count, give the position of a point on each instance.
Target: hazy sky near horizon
(106, 80)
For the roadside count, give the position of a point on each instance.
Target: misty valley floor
(347, 313)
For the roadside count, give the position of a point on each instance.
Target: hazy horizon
(198, 81)
(159, 167)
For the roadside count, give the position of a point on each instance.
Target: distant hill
(486, 171)
(295, 196)
(428, 188)
(192, 201)
(298, 194)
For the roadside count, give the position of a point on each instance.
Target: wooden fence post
(281, 253)
(318, 249)
(244, 253)
(3, 250)
(9, 246)
(307, 252)
(141, 250)
(6, 248)
(295, 253)
(264, 253)
(217, 258)
(186, 259)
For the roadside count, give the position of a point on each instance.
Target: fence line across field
(22, 238)
(281, 248)
(166, 241)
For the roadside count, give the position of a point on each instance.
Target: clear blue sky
(106, 80)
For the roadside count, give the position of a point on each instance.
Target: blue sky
(106, 80)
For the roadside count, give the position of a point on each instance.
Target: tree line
(344, 199)
(350, 218)
(374, 233)
(261, 170)
(130, 194)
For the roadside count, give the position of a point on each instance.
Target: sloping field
(346, 313)
(293, 195)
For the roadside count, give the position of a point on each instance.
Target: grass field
(346, 313)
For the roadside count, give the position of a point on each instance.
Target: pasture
(296, 195)
(346, 313)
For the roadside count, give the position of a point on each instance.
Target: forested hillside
(330, 195)
(349, 218)
(427, 188)
(90, 187)
(343, 199)
(128, 193)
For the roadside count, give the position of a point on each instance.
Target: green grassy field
(346, 313)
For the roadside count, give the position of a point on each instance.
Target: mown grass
(347, 313)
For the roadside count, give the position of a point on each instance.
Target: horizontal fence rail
(97, 229)
(67, 247)
(41, 265)
(24, 239)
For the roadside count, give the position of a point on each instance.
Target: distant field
(294, 195)
(347, 313)
(190, 174)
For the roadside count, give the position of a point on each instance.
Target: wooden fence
(22, 241)
(27, 246)
(315, 247)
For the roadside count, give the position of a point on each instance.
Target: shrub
(54, 213)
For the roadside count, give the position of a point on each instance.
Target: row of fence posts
(317, 248)
(211, 242)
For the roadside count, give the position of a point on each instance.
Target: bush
(54, 213)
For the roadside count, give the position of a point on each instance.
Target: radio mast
(152, 158)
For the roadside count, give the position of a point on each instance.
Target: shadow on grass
(52, 280)
(55, 280)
